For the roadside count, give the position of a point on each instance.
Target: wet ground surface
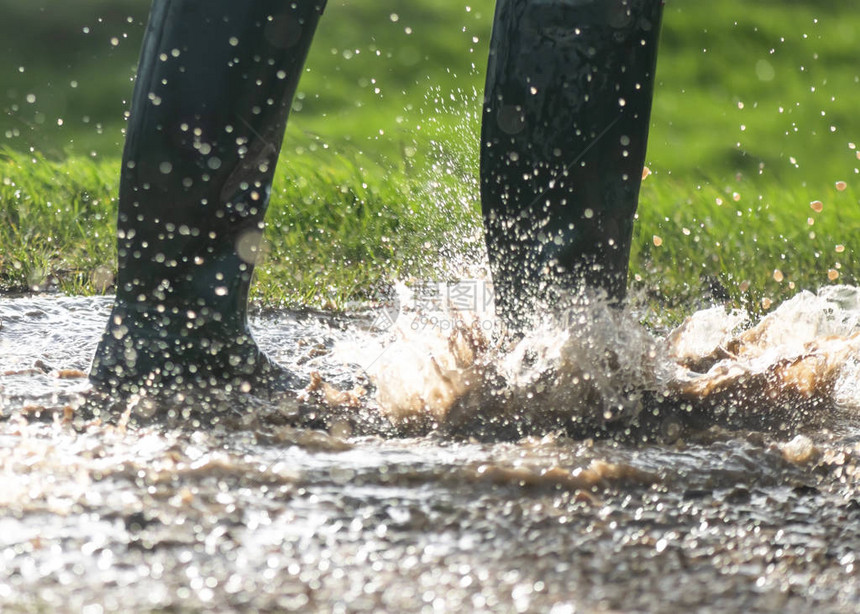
(99, 515)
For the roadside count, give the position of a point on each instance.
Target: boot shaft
(566, 113)
(213, 92)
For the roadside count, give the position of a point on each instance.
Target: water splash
(590, 367)
(585, 369)
(794, 365)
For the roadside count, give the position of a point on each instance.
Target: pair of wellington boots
(565, 124)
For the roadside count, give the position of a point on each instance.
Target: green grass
(58, 221)
(340, 223)
(762, 248)
(756, 99)
(337, 225)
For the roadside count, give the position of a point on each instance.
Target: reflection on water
(688, 499)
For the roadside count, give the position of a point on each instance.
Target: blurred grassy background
(754, 118)
(741, 84)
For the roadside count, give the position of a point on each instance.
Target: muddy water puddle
(104, 515)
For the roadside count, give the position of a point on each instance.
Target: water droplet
(764, 71)
(248, 246)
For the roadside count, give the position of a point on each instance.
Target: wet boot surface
(565, 126)
(210, 104)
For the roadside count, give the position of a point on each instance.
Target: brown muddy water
(593, 467)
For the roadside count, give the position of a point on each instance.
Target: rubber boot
(565, 126)
(214, 88)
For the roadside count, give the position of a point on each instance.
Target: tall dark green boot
(214, 88)
(566, 113)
